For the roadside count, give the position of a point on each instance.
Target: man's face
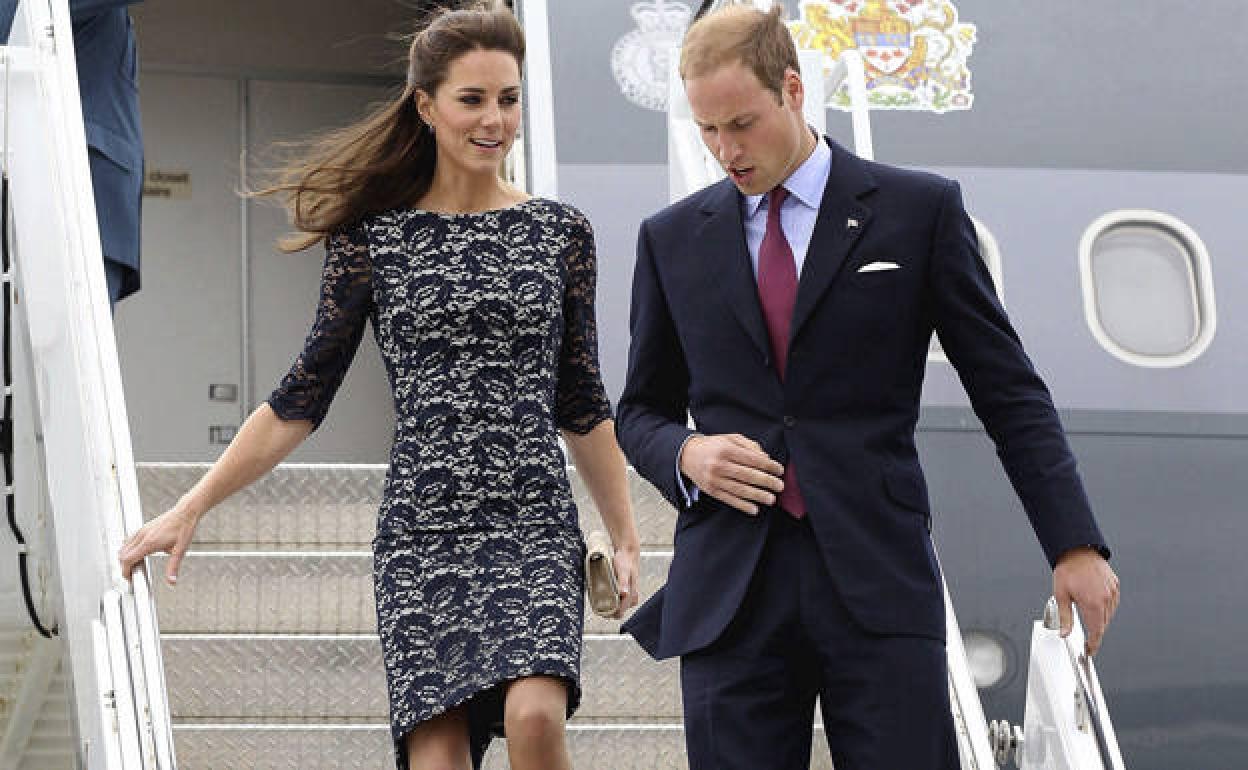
(758, 139)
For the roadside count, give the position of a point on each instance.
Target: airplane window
(990, 252)
(1147, 288)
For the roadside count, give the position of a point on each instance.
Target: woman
(482, 303)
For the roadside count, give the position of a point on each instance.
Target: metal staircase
(270, 642)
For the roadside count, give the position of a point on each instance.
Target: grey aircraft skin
(1080, 109)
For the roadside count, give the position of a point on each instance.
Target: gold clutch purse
(600, 584)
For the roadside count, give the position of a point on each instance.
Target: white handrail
(110, 743)
(860, 110)
(974, 747)
(134, 649)
(128, 730)
(539, 129)
(156, 693)
(75, 374)
(1067, 724)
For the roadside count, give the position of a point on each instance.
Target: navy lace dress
(485, 323)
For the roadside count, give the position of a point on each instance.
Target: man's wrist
(688, 489)
(680, 453)
(1094, 548)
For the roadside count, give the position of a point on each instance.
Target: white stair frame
(1065, 706)
(80, 408)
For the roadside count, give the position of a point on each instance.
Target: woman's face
(475, 112)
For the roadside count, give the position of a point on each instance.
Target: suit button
(790, 421)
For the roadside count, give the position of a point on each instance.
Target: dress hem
(478, 734)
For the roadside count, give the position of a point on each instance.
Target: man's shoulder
(689, 209)
(898, 178)
(891, 188)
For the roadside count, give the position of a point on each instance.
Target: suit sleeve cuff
(1103, 550)
(687, 488)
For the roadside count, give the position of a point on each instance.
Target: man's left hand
(1083, 576)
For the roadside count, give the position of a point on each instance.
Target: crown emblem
(661, 18)
(641, 58)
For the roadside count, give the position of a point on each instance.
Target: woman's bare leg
(534, 714)
(441, 743)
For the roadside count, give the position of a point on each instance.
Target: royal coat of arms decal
(641, 58)
(915, 51)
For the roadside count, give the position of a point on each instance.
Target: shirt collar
(806, 183)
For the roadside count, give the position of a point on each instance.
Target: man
(803, 564)
(104, 48)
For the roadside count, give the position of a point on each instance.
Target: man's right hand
(732, 469)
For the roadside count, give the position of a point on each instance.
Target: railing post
(80, 411)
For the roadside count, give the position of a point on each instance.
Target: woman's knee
(440, 743)
(536, 710)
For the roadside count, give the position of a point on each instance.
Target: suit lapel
(840, 223)
(725, 255)
(722, 237)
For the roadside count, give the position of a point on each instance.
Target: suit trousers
(749, 697)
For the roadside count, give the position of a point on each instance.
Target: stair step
(283, 592)
(277, 747)
(224, 677)
(268, 592)
(650, 746)
(330, 507)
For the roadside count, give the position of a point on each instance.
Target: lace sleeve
(582, 400)
(346, 302)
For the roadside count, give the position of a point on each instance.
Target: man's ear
(794, 91)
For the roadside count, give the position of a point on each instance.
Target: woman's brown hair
(386, 160)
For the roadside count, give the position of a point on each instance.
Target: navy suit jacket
(847, 409)
(106, 57)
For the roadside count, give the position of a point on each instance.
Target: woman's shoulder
(351, 235)
(356, 228)
(564, 213)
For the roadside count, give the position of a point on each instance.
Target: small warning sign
(170, 185)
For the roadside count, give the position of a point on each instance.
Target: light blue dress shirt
(797, 218)
(797, 214)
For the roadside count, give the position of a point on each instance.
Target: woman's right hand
(171, 533)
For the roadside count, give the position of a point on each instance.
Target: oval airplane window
(990, 252)
(1147, 288)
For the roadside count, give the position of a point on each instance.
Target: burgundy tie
(777, 293)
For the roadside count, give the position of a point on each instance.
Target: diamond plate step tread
(279, 593)
(324, 506)
(326, 747)
(341, 677)
(240, 592)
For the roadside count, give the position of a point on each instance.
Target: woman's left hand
(626, 576)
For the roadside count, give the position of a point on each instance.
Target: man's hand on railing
(1084, 577)
(171, 532)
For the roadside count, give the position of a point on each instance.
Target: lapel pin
(851, 223)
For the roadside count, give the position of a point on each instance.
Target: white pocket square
(876, 267)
